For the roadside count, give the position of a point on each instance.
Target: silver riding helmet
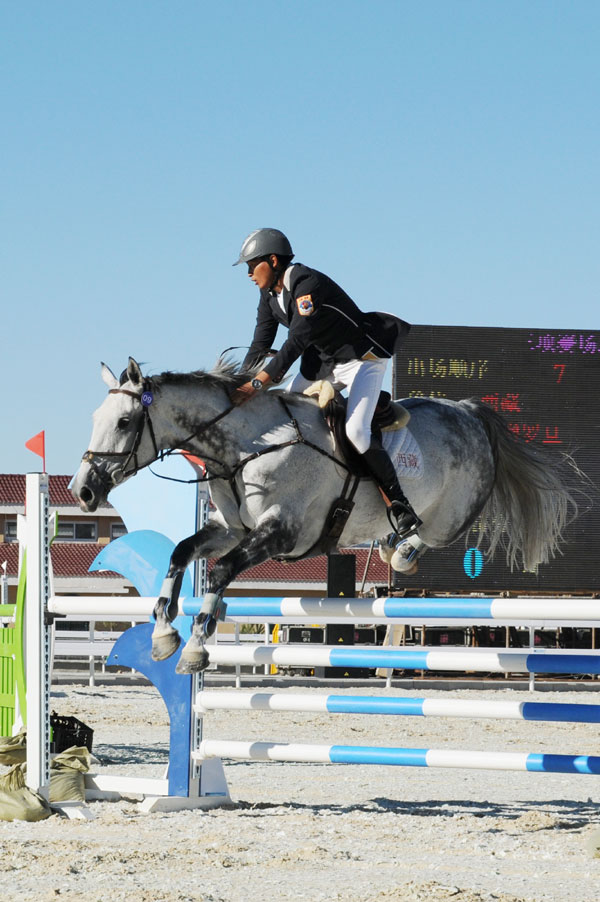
(261, 243)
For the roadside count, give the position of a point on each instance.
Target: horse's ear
(109, 377)
(134, 373)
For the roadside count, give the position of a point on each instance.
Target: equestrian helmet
(262, 242)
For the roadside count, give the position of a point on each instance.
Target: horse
(275, 470)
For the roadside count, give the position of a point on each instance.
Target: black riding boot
(402, 517)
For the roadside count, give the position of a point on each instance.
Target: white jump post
(37, 645)
(207, 786)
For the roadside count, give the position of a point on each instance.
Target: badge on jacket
(305, 305)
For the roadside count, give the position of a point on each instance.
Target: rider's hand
(242, 393)
(248, 389)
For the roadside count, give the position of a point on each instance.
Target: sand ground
(321, 832)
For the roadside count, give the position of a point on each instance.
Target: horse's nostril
(86, 495)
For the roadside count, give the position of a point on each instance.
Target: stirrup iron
(394, 520)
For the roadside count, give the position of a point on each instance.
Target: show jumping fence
(206, 785)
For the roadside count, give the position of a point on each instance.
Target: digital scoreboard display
(546, 383)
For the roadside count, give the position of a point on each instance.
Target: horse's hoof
(193, 664)
(399, 564)
(194, 656)
(165, 645)
(385, 553)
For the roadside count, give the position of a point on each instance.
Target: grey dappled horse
(272, 488)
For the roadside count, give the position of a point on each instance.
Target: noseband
(145, 397)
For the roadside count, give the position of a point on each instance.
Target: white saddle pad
(405, 453)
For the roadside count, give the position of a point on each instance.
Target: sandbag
(67, 780)
(13, 749)
(17, 801)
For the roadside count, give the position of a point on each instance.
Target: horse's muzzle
(90, 487)
(87, 500)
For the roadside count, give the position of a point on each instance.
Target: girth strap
(335, 522)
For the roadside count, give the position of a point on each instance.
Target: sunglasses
(254, 263)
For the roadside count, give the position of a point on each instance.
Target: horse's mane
(226, 374)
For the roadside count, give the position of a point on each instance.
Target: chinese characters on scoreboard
(448, 371)
(564, 343)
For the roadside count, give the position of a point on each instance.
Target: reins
(146, 398)
(298, 440)
(338, 514)
(233, 472)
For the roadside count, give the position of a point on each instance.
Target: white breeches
(363, 379)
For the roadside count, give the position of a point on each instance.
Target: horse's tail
(530, 502)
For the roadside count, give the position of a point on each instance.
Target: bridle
(341, 508)
(146, 398)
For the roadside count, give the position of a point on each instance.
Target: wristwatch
(256, 384)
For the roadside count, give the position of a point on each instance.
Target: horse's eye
(123, 423)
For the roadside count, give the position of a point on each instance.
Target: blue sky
(438, 159)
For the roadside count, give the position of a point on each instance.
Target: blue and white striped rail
(476, 660)
(365, 609)
(402, 757)
(576, 611)
(227, 700)
(373, 610)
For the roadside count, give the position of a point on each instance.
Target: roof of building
(12, 490)
(73, 559)
(69, 559)
(314, 569)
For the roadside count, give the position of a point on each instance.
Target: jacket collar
(287, 276)
(287, 280)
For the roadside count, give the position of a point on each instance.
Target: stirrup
(403, 519)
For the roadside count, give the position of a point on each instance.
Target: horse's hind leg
(402, 556)
(211, 539)
(269, 539)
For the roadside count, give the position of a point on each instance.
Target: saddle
(389, 416)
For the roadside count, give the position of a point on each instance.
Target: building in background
(82, 535)
(309, 577)
(79, 539)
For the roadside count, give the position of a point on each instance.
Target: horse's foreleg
(270, 539)
(165, 638)
(211, 539)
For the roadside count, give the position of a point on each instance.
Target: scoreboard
(546, 384)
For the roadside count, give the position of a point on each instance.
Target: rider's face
(260, 272)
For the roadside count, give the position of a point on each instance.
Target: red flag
(196, 462)
(37, 444)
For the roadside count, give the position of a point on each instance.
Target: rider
(335, 340)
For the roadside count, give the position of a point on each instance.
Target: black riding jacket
(325, 327)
